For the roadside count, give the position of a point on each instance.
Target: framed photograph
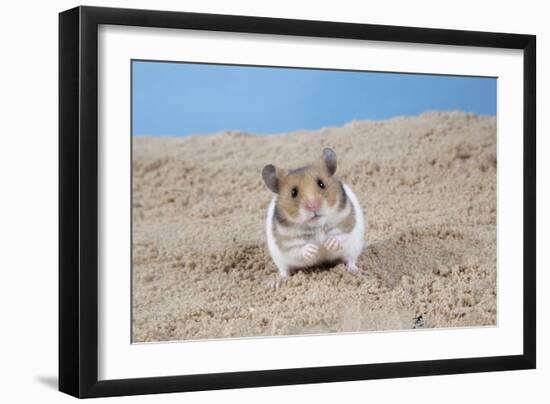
(250, 201)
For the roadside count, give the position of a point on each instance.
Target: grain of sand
(427, 185)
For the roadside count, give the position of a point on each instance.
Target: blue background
(182, 98)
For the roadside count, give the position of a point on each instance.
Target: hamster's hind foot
(352, 267)
(275, 283)
(284, 272)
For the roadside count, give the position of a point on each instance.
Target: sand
(427, 185)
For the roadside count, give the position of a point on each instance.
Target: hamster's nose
(312, 205)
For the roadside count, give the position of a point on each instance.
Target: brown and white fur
(313, 217)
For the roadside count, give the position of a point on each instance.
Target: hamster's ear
(271, 176)
(329, 159)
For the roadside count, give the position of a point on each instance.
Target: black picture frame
(78, 201)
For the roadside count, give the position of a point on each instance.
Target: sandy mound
(428, 189)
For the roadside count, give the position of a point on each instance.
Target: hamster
(313, 218)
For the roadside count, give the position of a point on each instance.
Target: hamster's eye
(294, 192)
(321, 184)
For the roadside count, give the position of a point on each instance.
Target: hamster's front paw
(310, 251)
(333, 244)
